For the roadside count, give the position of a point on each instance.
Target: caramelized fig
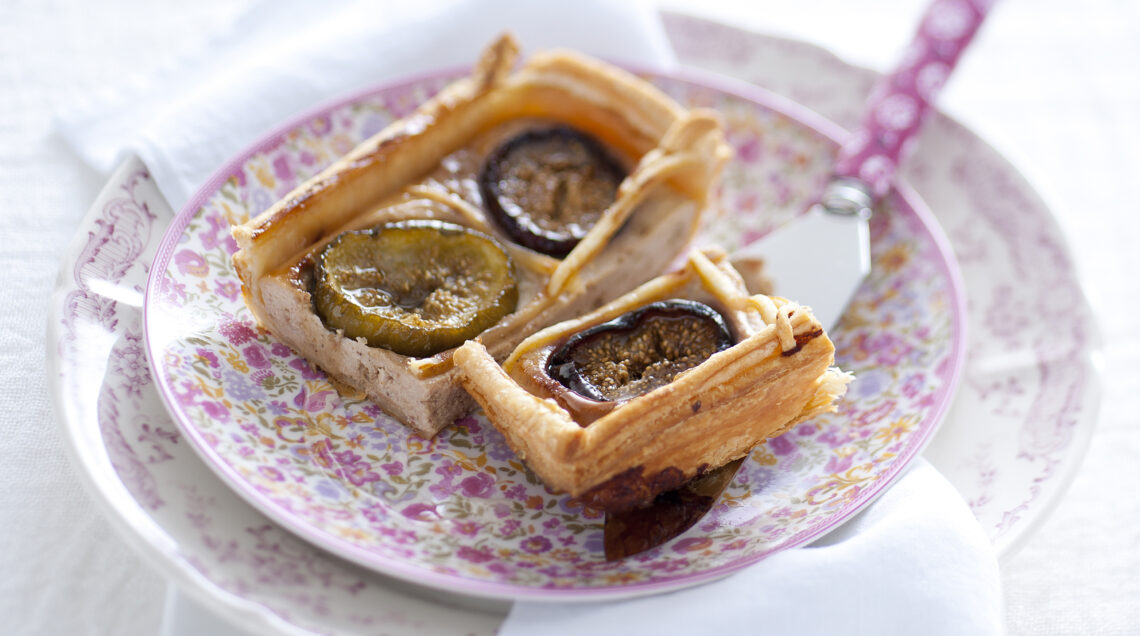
(414, 287)
(546, 188)
(639, 351)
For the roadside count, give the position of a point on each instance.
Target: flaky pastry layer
(778, 373)
(674, 154)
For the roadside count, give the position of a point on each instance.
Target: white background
(1054, 85)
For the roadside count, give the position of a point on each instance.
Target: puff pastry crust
(673, 156)
(779, 372)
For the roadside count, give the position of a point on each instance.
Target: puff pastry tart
(680, 376)
(513, 199)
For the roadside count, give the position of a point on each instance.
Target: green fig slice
(547, 187)
(414, 287)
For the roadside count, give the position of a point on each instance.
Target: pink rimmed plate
(460, 512)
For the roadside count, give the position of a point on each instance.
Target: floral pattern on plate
(460, 511)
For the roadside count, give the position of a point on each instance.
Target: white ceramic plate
(1008, 446)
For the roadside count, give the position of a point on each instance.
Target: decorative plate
(461, 512)
(1008, 447)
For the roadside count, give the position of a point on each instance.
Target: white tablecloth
(1055, 86)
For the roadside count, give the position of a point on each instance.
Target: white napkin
(916, 562)
(282, 58)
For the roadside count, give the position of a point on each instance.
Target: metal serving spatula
(820, 258)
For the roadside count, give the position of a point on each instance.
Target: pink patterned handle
(900, 101)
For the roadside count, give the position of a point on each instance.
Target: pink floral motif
(282, 170)
(255, 357)
(227, 288)
(897, 112)
(321, 126)
(474, 555)
(781, 445)
(131, 364)
(215, 410)
(217, 234)
(393, 468)
(191, 263)
(536, 544)
(308, 371)
(236, 332)
(477, 485)
(839, 463)
(321, 453)
(950, 20)
(313, 402)
(467, 528)
(421, 512)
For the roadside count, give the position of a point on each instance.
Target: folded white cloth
(280, 59)
(915, 562)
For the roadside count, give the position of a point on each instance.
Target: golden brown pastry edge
(316, 209)
(710, 415)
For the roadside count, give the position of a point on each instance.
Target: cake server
(820, 258)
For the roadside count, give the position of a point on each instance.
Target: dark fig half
(546, 188)
(639, 351)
